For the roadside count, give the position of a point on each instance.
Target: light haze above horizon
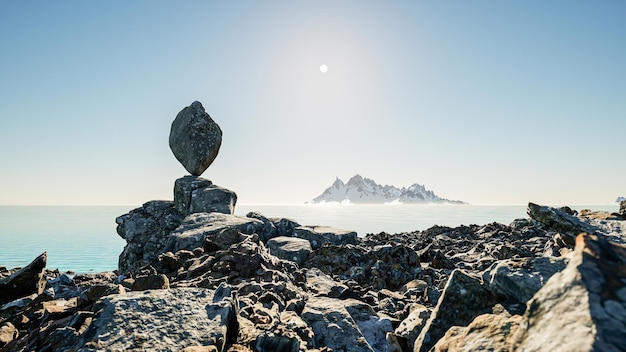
(488, 102)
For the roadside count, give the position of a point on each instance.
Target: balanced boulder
(195, 139)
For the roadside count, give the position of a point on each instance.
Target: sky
(489, 102)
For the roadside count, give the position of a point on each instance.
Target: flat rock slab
(159, 320)
(196, 227)
(294, 249)
(195, 139)
(319, 235)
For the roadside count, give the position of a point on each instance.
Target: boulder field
(212, 281)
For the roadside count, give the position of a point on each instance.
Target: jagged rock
(319, 235)
(346, 325)
(269, 229)
(146, 231)
(195, 228)
(379, 266)
(488, 332)
(622, 208)
(28, 280)
(463, 299)
(411, 327)
(196, 195)
(560, 221)
(294, 249)
(582, 308)
(195, 139)
(161, 320)
(517, 280)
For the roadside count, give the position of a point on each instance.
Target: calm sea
(83, 238)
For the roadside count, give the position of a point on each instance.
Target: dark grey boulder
(195, 139)
(146, 231)
(28, 280)
(622, 208)
(197, 195)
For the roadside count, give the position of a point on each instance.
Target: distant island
(620, 199)
(361, 190)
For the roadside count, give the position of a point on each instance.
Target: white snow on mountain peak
(363, 190)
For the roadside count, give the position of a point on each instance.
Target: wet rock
(28, 280)
(560, 221)
(195, 228)
(146, 231)
(154, 320)
(589, 299)
(319, 235)
(463, 299)
(195, 139)
(294, 249)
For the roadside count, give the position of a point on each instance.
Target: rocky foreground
(210, 281)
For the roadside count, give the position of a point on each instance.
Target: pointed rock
(26, 281)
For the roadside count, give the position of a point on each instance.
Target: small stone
(195, 139)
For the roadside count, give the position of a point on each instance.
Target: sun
(323, 68)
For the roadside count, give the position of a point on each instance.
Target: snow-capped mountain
(367, 191)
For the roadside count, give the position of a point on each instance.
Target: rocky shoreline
(220, 282)
(195, 277)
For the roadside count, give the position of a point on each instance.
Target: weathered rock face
(488, 332)
(26, 281)
(589, 299)
(290, 248)
(516, 280)
(193, 231)
(154, 320)
(146, 231)
(196, 195)
(560, 221)
(622, 208)
(195, 139)
(463, 299)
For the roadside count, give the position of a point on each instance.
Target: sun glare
(323, 68)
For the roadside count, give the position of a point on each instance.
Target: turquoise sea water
(83, 238)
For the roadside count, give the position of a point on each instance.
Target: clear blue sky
(493, 102)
